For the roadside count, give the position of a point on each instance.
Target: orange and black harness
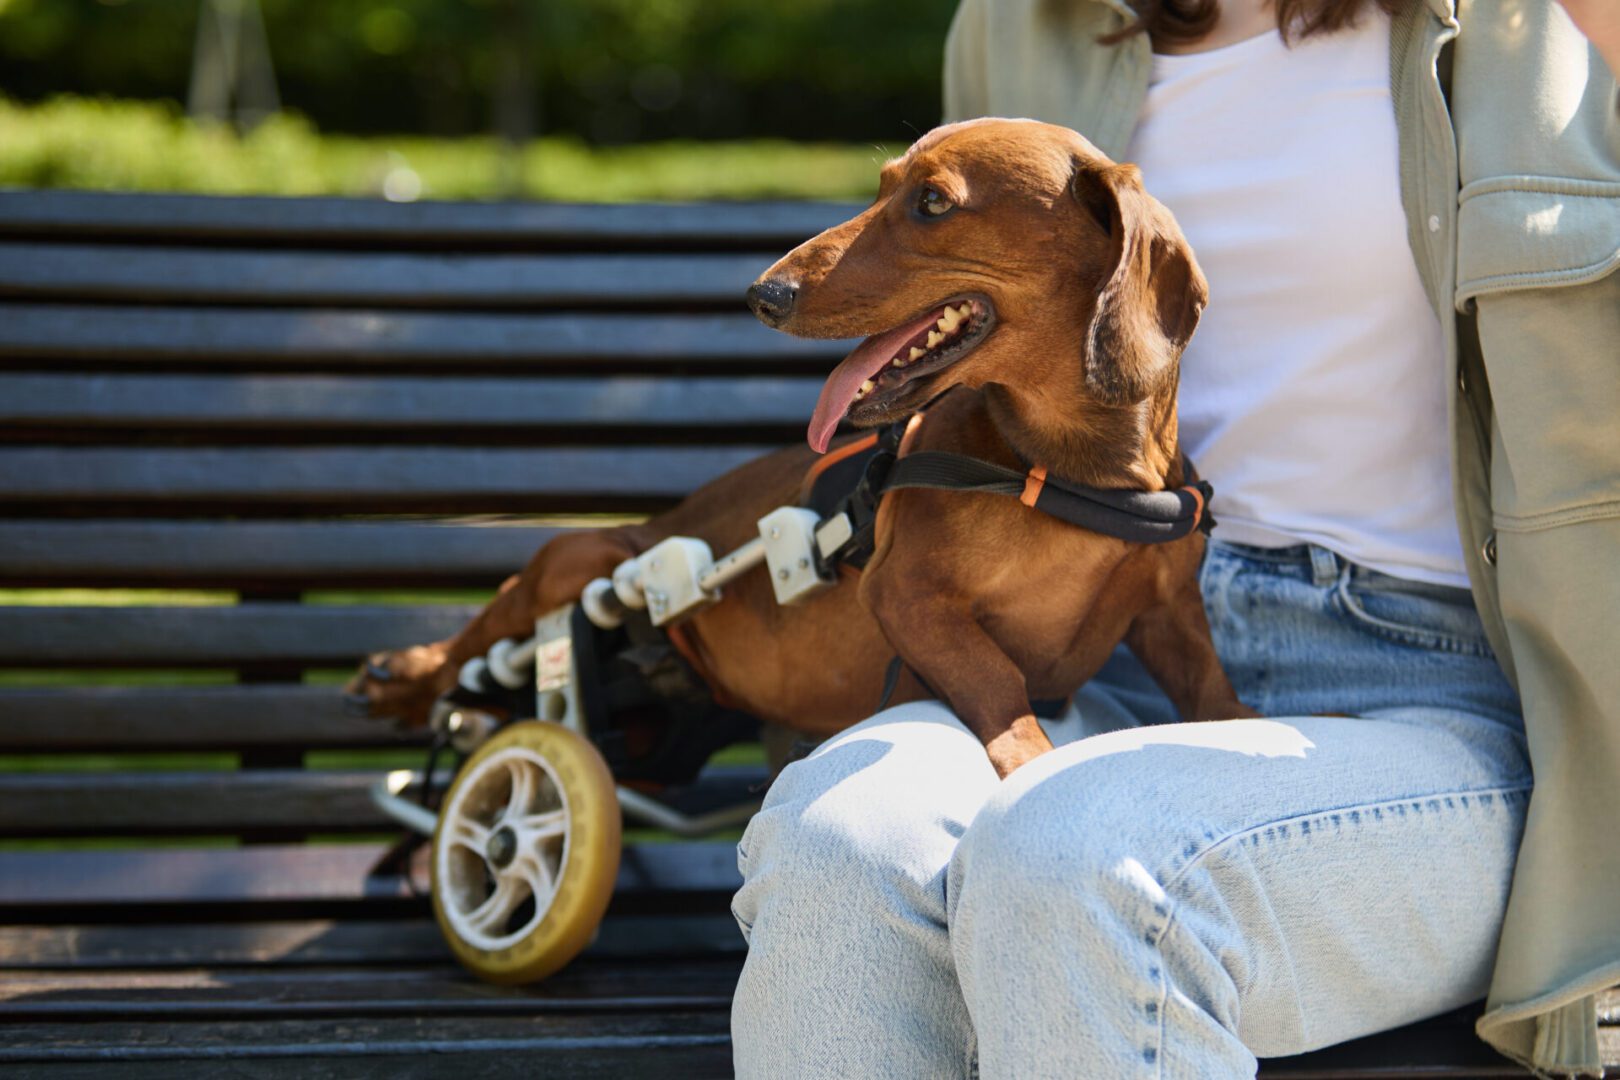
(854, 479)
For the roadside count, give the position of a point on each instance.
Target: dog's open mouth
(887, 365)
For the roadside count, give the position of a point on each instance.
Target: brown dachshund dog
(1011, 262)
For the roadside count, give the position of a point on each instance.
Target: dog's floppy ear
(1150, 299)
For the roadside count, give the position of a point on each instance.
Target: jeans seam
(1240, 835)
(1164, 991)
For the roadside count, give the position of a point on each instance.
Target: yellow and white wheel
(526, 852)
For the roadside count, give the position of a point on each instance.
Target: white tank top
(1313, 394)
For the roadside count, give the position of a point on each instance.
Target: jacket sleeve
(966, 84)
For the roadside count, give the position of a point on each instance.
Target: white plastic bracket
(556, 686)
(789, 533)
(671, 578)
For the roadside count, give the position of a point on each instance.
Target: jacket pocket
(1552, 359)
(1523, 232)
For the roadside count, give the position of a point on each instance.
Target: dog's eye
(931, 202)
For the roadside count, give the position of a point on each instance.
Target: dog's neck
(1130, 446)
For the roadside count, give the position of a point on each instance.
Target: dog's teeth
(916, 353)
(867, 387)
(965, 310)
(934, 338)
(897, 362)
(950, 320)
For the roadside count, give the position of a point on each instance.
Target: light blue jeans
(1151, 899)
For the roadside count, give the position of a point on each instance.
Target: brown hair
(1181, 22)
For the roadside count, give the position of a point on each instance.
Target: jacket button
(1488, 550)
(1434, 222)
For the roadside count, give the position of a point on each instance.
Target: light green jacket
(1512, 196)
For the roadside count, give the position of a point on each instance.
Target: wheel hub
(502, 847)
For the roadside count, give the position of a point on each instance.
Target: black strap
(1142, 517)
(861, 504)
(953, 472)
(891, 679)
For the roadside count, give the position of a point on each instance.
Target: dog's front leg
(939, 639)
(1173, 642)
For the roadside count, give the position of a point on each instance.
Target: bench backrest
(299, 411)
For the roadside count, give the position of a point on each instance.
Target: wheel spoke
(532, 870)
(467, 833)
(491, 916)
(522, 797)
(546, 826)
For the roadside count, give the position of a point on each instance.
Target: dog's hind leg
(403, 685)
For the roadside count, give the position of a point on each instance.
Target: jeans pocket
(1413, 613)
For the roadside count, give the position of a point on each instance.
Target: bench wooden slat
(264, 874)
(249, 633)
(385, 1048)
(304, 941)
(113, 719)
(225, 802)
(594, 984)
(112, 272)
(448, 479)
(116, 333)
(630, 405)
(584, 1037)
(765, 226)
(619, 1043)
(247, 554)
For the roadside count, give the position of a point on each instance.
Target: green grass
(116, 597)
(117, 843)
(75, 677)
(167, 761)
(397, 596)
(121, 145)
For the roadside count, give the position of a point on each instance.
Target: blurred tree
(608, 70)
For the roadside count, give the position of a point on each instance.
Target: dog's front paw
(402, 685)
(1013, 749)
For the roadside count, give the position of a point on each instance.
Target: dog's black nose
(771, 301)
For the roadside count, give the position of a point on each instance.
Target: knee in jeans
(817, 837)
(864, 820)
(1070, 848)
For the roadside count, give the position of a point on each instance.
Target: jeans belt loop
(1324, 566)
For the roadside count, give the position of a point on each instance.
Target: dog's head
(997, 251)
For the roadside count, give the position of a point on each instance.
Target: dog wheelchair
(604, 708)
(568, 734)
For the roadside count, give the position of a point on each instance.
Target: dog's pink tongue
(869, 358)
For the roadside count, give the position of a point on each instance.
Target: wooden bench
(313, 415)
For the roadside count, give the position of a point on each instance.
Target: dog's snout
(771, 300)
